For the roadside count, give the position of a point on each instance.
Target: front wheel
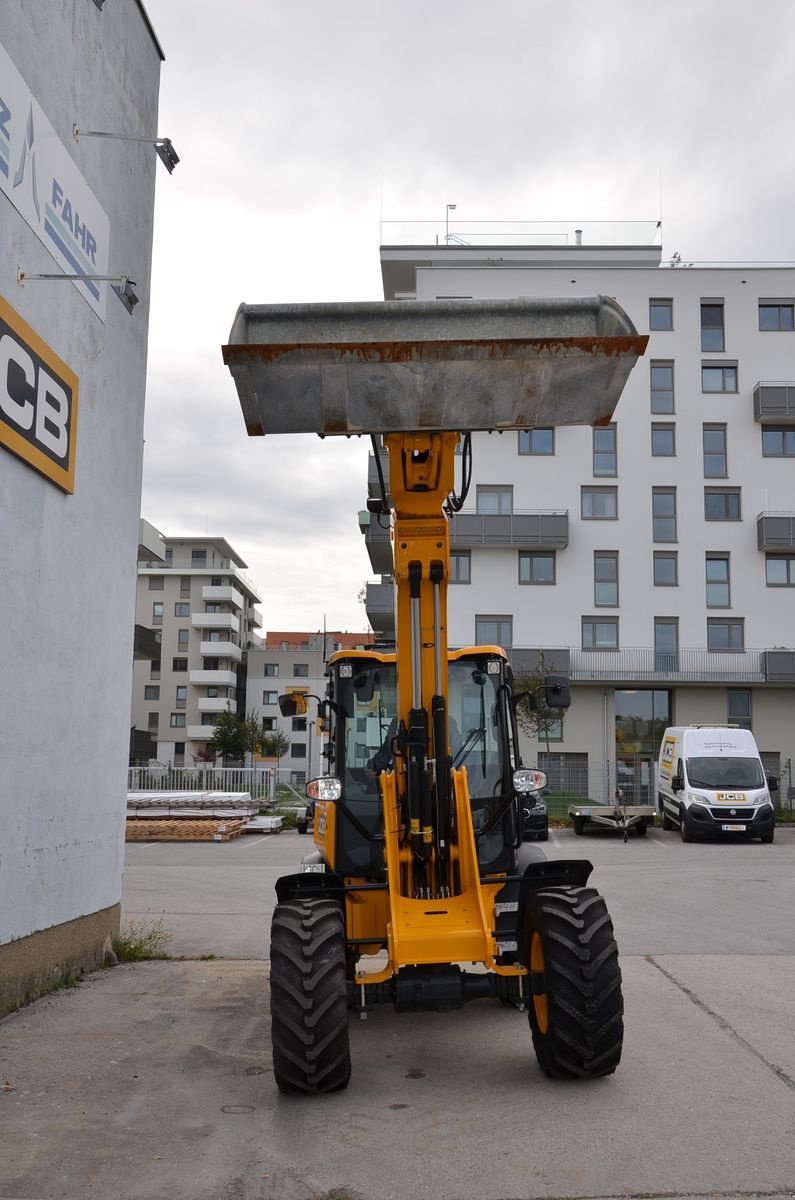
(684, 826)
(767, 838)
(309, 1000)
(576, 1006)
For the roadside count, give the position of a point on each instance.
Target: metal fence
(259, 781)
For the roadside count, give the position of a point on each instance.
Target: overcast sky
(301, 124)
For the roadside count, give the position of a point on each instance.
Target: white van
(710, 780)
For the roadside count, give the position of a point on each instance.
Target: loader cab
(362, 693)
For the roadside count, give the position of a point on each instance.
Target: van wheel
(576, 1010)
(684, 827)
(767, 838)
(667, 823)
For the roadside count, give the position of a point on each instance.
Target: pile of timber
(183, 829)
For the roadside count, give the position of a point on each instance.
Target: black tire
(579, 825)
(768, 838)
(576, 1017)
(667, 823)
(301, 826)
(544, 837)
(309, 1009)
(684, 826)
(640, 828)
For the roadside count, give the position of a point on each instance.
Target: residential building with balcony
(201, 606)
(290, 661)
(652, 560)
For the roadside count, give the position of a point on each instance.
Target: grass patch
(137, 942)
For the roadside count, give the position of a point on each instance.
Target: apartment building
(292, 661)
(200, 603)
(653, 561)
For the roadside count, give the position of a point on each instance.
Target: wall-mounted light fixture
(165, 150)
(122, 285)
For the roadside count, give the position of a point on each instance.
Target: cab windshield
(725, 774)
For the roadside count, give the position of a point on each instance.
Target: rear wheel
(640, 828)
(667, 823)
(309, 1010)
(576, 1007)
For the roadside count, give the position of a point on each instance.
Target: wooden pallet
(176, 829)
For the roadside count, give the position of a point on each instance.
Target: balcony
(642, 664)
(225, 594)
(538, 529)
(214, 678)
(221, 650)
(254, 619)
(774, 403)
(775, 531)
(199, 733)
(215, 704)
(377, 541)
(379, 605)
(216, 621)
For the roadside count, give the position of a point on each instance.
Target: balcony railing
(546, 529)
(775, 531)
(639, 664)
(774, 402)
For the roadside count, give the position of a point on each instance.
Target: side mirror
(556, 691)
(772, 783)
(677, 783)
(293, 705)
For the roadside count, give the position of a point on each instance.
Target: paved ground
(154, 1080)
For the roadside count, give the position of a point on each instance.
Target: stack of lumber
(183, 829)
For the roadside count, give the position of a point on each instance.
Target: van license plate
(733, 828)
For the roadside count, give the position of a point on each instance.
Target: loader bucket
(416, 366)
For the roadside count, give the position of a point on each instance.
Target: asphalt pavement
(154, 1080)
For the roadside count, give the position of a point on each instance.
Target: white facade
(68, 581)
(199, 603)
(702, 642)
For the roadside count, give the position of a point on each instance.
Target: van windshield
(725, 774)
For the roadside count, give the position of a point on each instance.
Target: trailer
(637, 817)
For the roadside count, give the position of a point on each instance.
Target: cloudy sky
(302, 124)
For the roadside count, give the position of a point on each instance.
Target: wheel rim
(540, 1004)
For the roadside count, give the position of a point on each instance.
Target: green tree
(532, 712)
(275, 744)
(253, 734)
(228, 740)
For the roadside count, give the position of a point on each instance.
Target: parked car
(536, 818)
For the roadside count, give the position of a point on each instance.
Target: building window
(776, 316)
(460, 566)
(605, 456)
(270, 697)
(183, 637)
(298, 750)
(297, 779)
(717, 570)
(179, 754)
(721, 504)
(738, 707)
(154, 670)
(181, 610)
(169, 556)
(198, 558)
(662, 387)
(207, 719)
(712, 326)
(494, 631)
(537, 441)
(156, 583)
(666, 568)
(661, 314)
(666, 643)
(299, 724)
(268, 724)
(153, 722)
(300, 670)
(181, 697)
(725, 635)
(535, 567)
(179, 664)
(177, 720)
(778, 443)
(605, 577)
(599, 503)
(718, 378)
(157, 613)
(151, 693)
(270, 670)
(214, 608)
(663, 440)
(209, 664)
(600, 633)
(184, 586)
(493, 500)
(779, 570)
(663, 506)
(715, 459)
(218, 581)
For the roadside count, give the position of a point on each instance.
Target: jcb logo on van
(38, 401)
(667, 756)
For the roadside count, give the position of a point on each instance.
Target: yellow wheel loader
(421, 894)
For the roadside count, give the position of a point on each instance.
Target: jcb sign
(38, 401)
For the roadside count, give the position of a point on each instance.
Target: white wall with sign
(69, 494)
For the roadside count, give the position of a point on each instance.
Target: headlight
(763, 799)
(527, 780)
(325, 788)
(694, 798)
(537, 811)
